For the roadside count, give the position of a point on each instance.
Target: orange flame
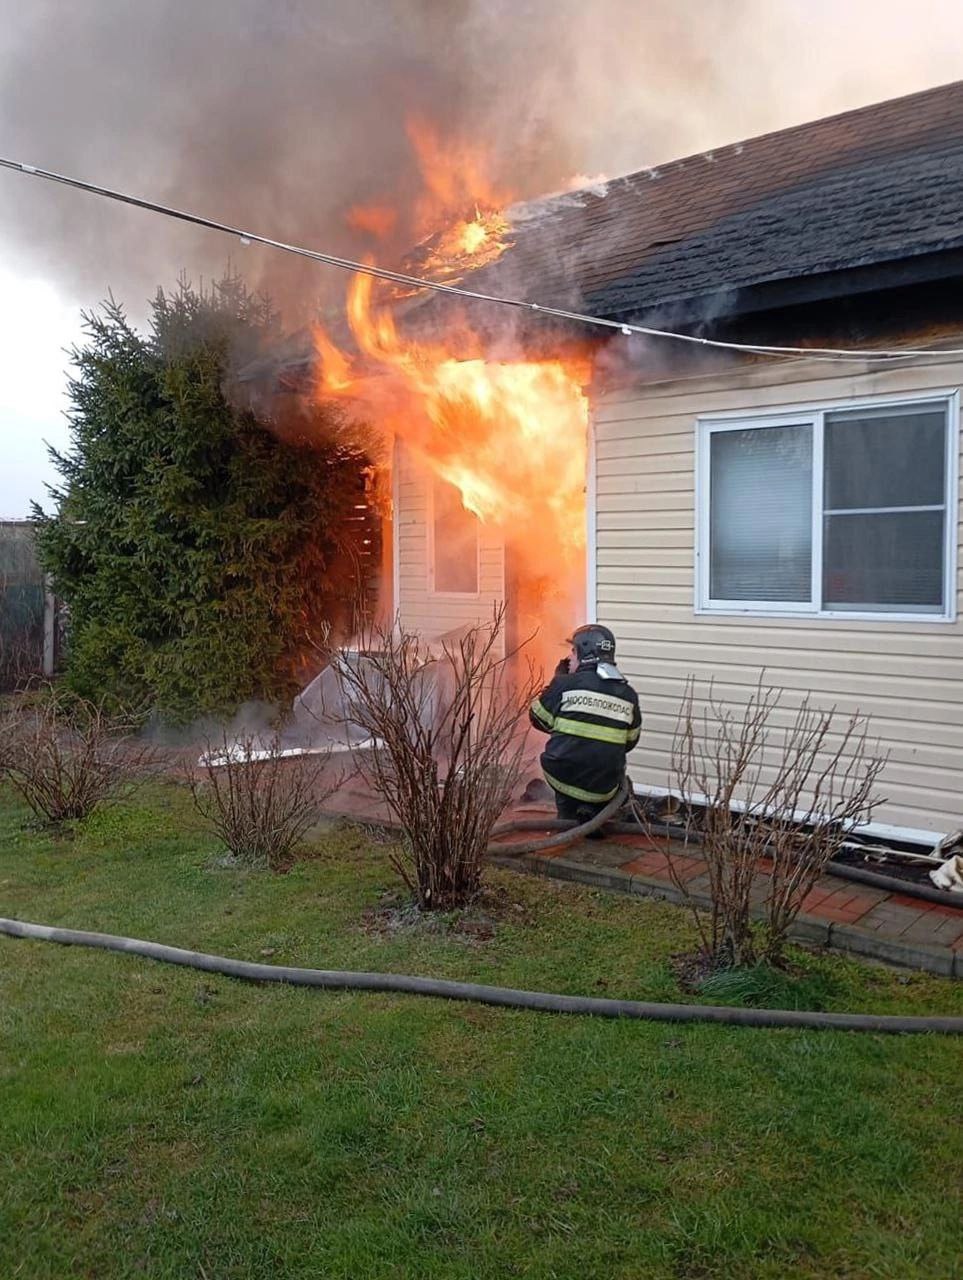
(509, 434)
(337, 375)
(455, 175)
(375, 220)
(458, 196)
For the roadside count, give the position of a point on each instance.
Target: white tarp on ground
(322, 713)
(319, 722)
(321, 719)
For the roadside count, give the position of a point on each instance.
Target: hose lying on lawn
(506, 997)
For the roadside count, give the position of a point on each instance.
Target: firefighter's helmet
(593, 643)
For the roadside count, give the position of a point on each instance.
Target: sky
(37, 326)
(278, 114)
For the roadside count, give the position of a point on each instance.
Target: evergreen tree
(195, 547)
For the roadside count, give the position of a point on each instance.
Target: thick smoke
(279, 114)
(273, 116)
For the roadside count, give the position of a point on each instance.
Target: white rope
(417, 282)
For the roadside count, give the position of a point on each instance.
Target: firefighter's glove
(564, 667)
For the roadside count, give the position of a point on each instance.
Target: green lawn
(157, 1122)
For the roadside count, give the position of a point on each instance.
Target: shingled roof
(877, 185)
(858, 201)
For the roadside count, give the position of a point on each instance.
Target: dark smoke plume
(279, 114)
(273, 116)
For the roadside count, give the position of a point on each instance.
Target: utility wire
(399, 277)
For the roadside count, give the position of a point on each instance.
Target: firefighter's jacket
(592, 723)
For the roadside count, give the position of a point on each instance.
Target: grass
(762, 986)
(157, 1122)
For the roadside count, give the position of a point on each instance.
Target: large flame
(457, 224)
(509, 433)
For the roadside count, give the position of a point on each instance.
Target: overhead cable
(417, 282)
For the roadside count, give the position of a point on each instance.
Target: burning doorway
(503, 440)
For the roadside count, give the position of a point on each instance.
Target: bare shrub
(751, 792)
(259, 801)
(446, 742)
(67, 756)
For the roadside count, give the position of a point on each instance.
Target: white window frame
(430, 540)
(708, 425)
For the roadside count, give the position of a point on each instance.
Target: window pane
(891, 562)
(887, 458)
(455, 541)
(760, 514)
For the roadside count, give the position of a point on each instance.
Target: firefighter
(592, 716)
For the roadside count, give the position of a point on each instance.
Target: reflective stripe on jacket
(592, 723)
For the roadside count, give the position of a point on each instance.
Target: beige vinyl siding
(907, 677)
(421, 610)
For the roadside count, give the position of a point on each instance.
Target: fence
(28, 610)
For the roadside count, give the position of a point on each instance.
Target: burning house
(723, 510)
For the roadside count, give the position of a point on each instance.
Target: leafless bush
(446, 748)
(67, 756)
(778, 800)
(259, 801)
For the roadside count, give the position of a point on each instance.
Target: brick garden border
(834, 934)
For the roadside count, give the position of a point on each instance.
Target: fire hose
(565, 832)
(564, 835)
(842, 870)
(504, 997)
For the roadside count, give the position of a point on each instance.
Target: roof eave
(790, 291)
